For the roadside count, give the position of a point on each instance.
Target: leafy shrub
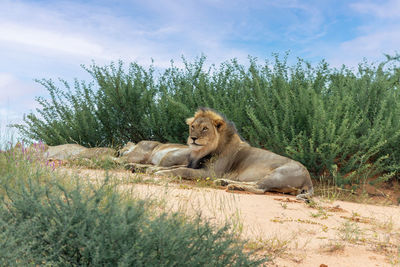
(44, 220)
(342, 124)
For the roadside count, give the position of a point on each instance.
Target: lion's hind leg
(289, 178)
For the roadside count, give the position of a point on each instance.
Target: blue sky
(50, 39)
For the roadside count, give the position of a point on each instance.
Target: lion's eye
(192, 127)
(205, 129)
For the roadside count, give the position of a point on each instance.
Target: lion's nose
(194, 138)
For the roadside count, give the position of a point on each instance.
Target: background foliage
(342, 124)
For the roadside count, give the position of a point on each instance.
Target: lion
(75, 151)
(145, 155)
(218, 151)
(142, 155)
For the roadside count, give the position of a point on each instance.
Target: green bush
(46, 220)
(342, 124)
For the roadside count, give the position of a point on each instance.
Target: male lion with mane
(217, 151)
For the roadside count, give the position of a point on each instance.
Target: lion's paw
(234, 187)
(221, 182)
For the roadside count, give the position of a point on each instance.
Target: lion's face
(203, 135)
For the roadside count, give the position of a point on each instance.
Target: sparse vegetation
(273, 246)
(324, 228)
(50, 219)
(350, 232)
(322, 214)
(333, 246)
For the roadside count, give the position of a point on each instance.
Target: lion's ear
(219, 124)
(189, 120)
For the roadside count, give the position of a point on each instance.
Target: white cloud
(385, 10)
(56, 32)
(378, 33)
(76, 33)
(16, 98)
(374, 43)
(72, 33)
(371, 47)
(14, 91)
(5, 79)
(46, 39)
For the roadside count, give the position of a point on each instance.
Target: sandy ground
(292, 233)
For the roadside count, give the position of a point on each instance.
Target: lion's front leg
(246, 187)
(223, 182)
(148, 168)
(185, 173)
(154, 169)
(241, 186)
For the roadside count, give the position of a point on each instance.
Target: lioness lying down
(217, 151)
(143, 155)
(149, 155)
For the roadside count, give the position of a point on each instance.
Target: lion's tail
(306, 195)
